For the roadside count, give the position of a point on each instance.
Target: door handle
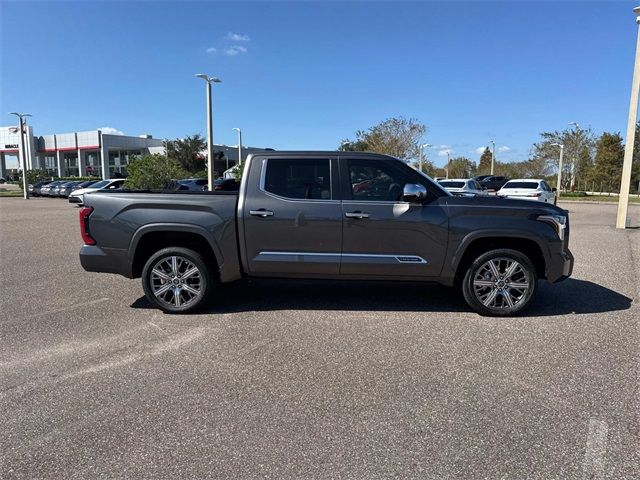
(261, 213)
(358, 215)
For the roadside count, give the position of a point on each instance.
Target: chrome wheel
(176, 281)
(501, 283)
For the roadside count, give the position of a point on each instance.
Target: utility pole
(493, 156)
(23, 152)
(559, 184)
(421, 151)
(448, 162)
(625, 182)
(237, 129)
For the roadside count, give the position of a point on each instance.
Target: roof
(526, 180)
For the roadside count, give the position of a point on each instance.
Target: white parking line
(594, 455)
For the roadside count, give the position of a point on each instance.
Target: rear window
(522, 185)
(447, 184)
(308, 178)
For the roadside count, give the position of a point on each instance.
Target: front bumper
(560, 267)
(73, 199)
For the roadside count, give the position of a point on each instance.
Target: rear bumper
(96, 259)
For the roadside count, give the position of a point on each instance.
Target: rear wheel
(177, 280)
(500, 283)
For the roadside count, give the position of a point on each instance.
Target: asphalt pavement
(314, 380)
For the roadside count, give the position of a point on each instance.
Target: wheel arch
(149, 239)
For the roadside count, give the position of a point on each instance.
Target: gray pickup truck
(326, 215)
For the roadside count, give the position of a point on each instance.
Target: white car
(529, 189)
(462, 187)
(77, 196)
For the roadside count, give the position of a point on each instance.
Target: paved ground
(314, 380)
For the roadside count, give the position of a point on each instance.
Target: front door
(383, 235)
(293, 220)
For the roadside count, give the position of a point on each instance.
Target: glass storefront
(118, 161)
(92, 165)
(49, 163)
(70, 167)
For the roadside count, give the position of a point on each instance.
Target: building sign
(13, 145)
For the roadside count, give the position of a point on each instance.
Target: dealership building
(92, 153)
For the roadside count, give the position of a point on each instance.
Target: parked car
(529, 189)
(480, 178)
(297, 216)
(34, 189)
(66, 188)
(226, 184)
(464, 187)
(77, 196)
(48, 189)
(493, 183)
(189, 184)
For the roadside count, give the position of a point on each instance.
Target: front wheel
(500, 283)
(177, 280)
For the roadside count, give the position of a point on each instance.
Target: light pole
(493, 156)
(422, 147)
(448, 162)
(559, 185)
(23, 152)
(209, 80)
(625, 182)
(237, 129)
(575, 158)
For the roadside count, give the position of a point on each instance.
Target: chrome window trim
(263, 177)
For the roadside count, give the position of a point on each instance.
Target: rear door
(383, 236)
(292, 217)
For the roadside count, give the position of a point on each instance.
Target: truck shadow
(569, 297)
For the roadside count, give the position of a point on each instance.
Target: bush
(573, 194)
(152, 172)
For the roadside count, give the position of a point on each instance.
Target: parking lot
(314, 380)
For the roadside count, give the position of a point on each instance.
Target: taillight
(84, 225)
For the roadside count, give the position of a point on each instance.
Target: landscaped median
(595, 197)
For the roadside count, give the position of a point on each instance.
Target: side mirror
(554, 189)
(414, 193)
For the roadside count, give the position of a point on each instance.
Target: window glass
(378, 181)
(523, 185)
(451, 184)
(308, 178)
(545, 186)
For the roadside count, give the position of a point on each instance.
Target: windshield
(100, 184)
(523, 185)
(450, 184)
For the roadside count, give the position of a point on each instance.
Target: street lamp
(237, 129)
(625, 182)
(559, 185)
(448, 162)
(422, 147)
(573, 161)
(209, 80)
(23, 152)
(493, 156)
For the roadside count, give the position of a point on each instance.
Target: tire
(171, 291)
(491, 295)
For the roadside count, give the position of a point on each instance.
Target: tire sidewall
(469, 293)
(197, 260)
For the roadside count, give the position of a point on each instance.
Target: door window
(308, 178)
(377, 181)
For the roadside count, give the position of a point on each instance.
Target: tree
(151, 172)
(484, 166)
(607, 169)
(461, 167)
(579, 149)
(188, 152)
(398, 136)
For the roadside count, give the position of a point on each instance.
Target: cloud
(234, 50)
(443, 146)
(110, 131)
(212, 50)
(443, 153)
(504, 148)
(237, 37)
(480, 150)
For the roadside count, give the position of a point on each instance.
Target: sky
(306, 75)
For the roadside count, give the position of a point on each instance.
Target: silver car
(462, 187)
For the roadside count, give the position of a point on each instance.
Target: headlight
(558, 222)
